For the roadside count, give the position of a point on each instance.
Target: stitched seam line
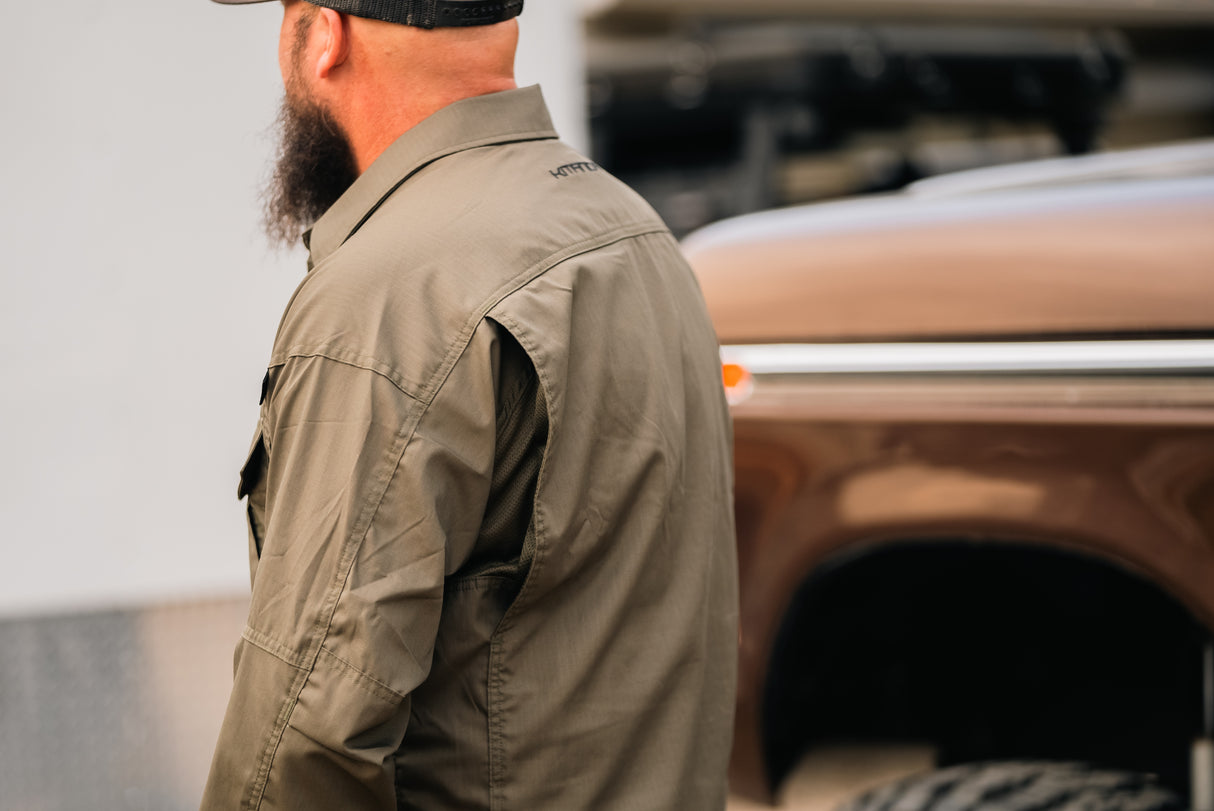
(363, 679)
(459, 345)
(257, 790)
(273, 647)
(351, 359)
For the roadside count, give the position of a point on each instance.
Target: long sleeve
(369, 498)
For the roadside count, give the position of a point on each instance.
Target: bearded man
(489, 495)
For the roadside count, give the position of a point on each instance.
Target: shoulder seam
(519, 280)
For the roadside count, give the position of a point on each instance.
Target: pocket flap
(254, 466)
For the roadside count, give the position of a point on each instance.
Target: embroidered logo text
(570, 169)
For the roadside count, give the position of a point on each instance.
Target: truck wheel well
(987, 651)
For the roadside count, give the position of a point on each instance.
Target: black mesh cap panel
(422, 13)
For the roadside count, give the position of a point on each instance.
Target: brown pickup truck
(974, 431)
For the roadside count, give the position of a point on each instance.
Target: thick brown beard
(314, 167)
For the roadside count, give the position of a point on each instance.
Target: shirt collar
(498, 118)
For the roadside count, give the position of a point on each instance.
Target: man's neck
(376, 124)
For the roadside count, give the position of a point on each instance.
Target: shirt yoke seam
(429, 390)
(346, 358)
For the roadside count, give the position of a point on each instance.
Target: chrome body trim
(1179, 357)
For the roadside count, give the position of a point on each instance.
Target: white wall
(138, 301)
(551, 52)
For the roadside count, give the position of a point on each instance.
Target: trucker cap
(420, 13)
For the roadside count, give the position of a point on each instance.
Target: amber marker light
(739, 383)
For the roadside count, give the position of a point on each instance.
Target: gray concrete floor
(114, 711)
(119, 711)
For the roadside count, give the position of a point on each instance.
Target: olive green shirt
(490, 498)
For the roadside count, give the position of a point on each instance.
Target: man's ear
(333, 30)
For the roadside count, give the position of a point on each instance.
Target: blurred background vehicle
(974, 440)
(716, 108)
(948, 565)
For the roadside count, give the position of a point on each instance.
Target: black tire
(1020, 786)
